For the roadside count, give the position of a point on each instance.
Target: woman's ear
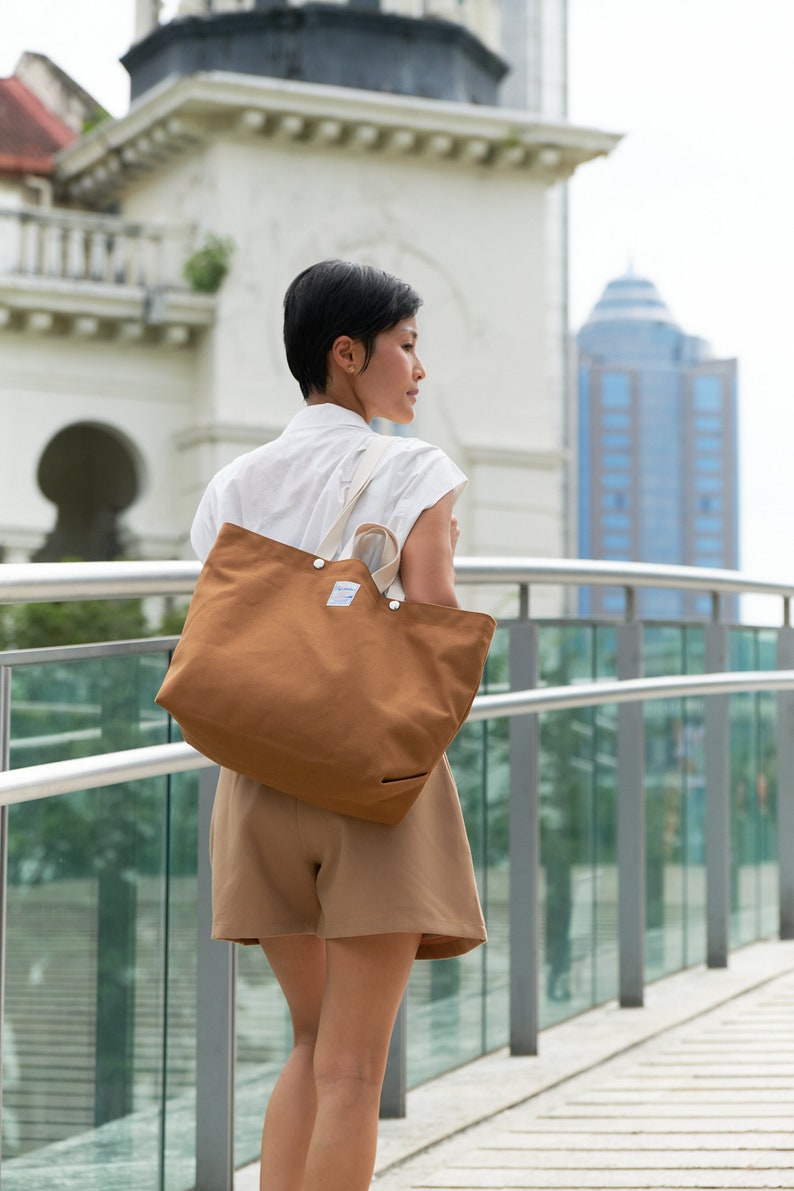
(343, 353)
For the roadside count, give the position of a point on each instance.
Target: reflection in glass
(99, 1028)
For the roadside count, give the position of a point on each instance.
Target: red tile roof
(29, 133)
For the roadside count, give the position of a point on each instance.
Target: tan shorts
(283, 867)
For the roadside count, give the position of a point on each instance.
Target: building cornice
(184, 112)
(225, 433)
(93, 310)
(531, 458)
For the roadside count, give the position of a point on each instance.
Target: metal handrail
(107, 769)
(86, 773)
(601, 573)
(36, 581)
(631, 690)
(42, 655)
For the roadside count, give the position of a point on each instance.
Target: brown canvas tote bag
(298, 672)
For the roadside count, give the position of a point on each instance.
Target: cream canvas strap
(370, 461)
(376, 546)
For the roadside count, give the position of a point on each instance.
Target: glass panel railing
(449, 1001)
(264, 1039)
(178, 1094)
(457, 1008)
(578, 895)
(567, 900)
(100, 1012)
(753, 791)
(674, 807)
(767, 797)
(84, 707)
(604, 815)
(85, 993)
(99, 1027)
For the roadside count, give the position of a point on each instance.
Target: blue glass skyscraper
(658, 467)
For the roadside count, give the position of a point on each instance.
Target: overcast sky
(698, 196)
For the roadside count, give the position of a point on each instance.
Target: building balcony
(97, 276)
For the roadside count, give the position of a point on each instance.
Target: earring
(351, 368)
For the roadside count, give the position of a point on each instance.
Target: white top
(293, 488)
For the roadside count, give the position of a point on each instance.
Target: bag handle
(366, 469)
(376, 540)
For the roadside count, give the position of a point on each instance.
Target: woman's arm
(426, 567)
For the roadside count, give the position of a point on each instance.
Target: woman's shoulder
(412, 449)
(419, 463)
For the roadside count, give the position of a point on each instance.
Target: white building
(123, 390)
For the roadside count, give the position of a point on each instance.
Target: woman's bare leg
(365, 981)
(298, 962)
(337, 1118)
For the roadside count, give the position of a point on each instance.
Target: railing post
(524, 846)
(718, 811)
(216, 964)
(631, 823)
(785, 786)
(116, 911)
(392, 1097)
(5, 749)
(39, 249)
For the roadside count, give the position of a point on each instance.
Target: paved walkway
(696, 1090)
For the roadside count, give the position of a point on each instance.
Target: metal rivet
(394, 605)
(318, 564)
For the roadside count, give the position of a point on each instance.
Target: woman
(342, 907)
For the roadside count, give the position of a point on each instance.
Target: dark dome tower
(345, 45)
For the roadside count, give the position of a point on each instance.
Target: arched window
(91, 474)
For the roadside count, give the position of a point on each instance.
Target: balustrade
(72, 246)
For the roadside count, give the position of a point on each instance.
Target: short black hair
(336, 298)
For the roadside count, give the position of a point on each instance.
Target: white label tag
(342, 595)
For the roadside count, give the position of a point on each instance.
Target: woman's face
(389, 385)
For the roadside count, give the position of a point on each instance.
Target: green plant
(205, 270)
(31, 626)
(97, 116)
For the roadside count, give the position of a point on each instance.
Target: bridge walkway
(695, 1090)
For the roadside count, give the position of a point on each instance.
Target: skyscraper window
(708, 392)
(708, 422)
(616, 390)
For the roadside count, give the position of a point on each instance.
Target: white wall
(472, 241)
(139, 392)
(483, 243)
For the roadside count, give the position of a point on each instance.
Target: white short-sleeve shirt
(293, 488)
